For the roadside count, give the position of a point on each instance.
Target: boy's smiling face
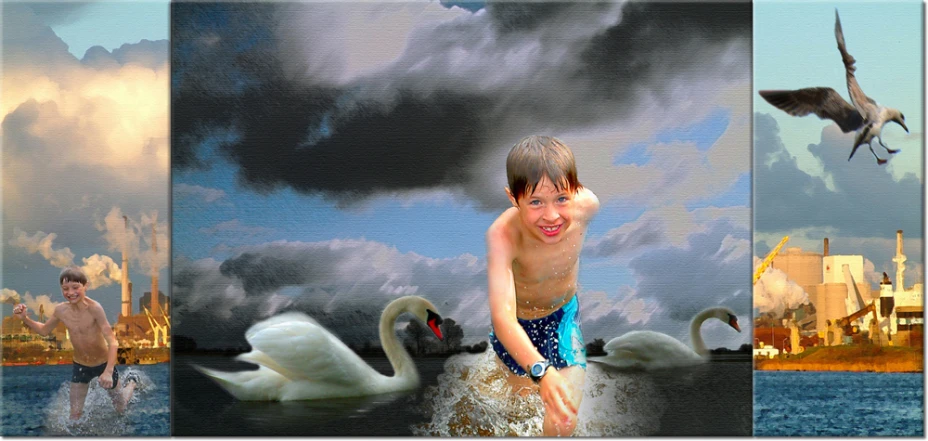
(73, 292)
(545, 213)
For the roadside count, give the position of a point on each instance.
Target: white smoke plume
(139, 241)
(33, 303)
(774, 292)
(101, 271)
(10, 296)
(41, 243)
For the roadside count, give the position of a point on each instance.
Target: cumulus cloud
(862, 191)
(706, 272)
(78, 135)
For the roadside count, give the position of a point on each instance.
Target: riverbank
(37, 357)
(855, 358)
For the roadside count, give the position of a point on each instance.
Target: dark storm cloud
(426, 120)
(342, 284)
(866, 201)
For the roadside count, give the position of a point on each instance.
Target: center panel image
(386, 216)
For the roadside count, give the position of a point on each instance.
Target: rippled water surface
(838, 404)
(36, 403)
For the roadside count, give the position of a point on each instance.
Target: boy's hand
(106, 379)
(20, 311)
(555, 393)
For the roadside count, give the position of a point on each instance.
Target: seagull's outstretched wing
(864, 104)
(822, 101)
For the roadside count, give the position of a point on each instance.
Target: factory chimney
(126, 295)
(825, 252)
(155, 302)
(900, 262)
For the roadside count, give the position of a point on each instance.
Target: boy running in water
(533, 258)
(94, 343)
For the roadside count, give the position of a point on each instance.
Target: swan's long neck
(698, 345)
(403, 366)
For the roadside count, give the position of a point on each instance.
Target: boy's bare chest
(548, 263)
(78, 323)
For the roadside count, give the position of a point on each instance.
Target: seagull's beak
(902, 123)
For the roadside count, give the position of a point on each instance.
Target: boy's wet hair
(535, 157)
(72, 274)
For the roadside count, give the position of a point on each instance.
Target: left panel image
(85, 219)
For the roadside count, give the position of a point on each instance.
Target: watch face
(538, 369)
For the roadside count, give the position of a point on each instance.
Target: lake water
(712, 399)
(838, 404)
(36, 403)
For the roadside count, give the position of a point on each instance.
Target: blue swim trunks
(556, 336)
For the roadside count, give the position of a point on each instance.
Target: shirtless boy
(94, 343)
(533, 254)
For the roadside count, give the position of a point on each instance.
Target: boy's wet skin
(95, 345)
(533, 252)
(545, 276)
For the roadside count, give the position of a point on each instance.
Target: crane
(157, 329)
(769, 259)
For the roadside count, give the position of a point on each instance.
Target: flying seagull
(865, 115)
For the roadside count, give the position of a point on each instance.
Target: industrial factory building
(844, 307)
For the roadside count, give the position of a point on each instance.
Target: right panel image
(838, 203)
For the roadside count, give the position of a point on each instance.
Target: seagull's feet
(880, 161)
(892, 151)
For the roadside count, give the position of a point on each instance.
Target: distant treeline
(420, 341)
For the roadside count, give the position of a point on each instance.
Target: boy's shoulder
(505, 226)
(504, 230)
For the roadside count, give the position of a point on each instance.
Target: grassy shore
(857, 358)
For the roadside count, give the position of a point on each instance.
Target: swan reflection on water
(473, 398)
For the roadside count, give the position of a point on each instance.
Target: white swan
(654, 350)
(298, 359)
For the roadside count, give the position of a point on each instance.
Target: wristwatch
(537, 370)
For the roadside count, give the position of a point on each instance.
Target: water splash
(473, 398)
(100, 417)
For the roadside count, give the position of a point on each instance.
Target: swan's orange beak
(733, 322)
(434, 321)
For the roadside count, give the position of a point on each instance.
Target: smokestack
(900, 263)
(126, 295)
(825, 252)
(155, 302)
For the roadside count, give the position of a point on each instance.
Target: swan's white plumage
(655, 350)
(298, 359)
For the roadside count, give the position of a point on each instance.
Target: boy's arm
(40, 328)
(502, 293)
(106, 378)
